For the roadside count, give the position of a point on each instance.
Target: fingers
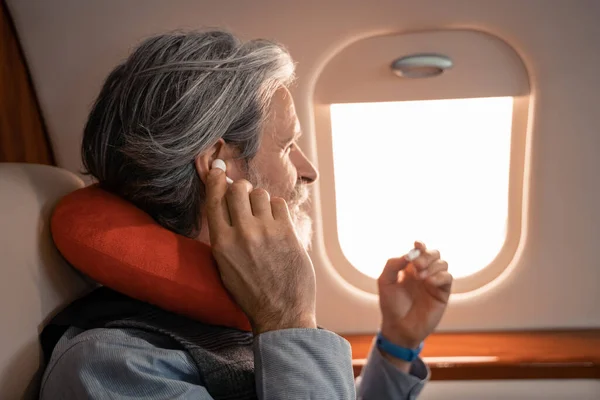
(426, 257)
(433, 268)
(260, 200)
(442, 280)
(420, 246)
(238, 202)
(429, 262)
(280, 209)
(426, 264)
(390, 272)
(217, 213)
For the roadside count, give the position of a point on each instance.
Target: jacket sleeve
(303, 364)
(381, 380)
(317, 364)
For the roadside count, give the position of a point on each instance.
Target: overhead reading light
(421, 65)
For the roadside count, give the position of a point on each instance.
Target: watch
(397, 351)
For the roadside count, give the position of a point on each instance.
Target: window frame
(325, 95)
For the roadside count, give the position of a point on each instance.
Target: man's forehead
(283, 104)
(283, 115)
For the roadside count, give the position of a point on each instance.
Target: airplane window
(443, 179)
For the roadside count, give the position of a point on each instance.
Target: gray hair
(172, 99)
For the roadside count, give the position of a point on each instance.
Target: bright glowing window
(444, 179)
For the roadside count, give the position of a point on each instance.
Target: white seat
(34, 279)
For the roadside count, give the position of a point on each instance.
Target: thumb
(392, 268)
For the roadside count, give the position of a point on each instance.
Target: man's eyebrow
(296, 136)
(297, 133)
(286, 141)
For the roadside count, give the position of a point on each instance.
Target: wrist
(402, 365)
(274, 324)
(406, 354)
(395, 336)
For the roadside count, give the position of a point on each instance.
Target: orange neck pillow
(119, 246)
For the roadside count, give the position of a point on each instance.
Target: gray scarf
(223, 356)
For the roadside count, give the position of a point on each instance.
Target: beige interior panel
(483, 66)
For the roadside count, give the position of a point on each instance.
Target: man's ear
(204, 160)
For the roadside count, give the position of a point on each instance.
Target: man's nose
(306, 170)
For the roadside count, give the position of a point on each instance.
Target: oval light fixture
(421, 65)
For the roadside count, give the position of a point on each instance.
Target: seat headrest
(36, 281)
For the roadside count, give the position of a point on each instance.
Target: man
(179, 102)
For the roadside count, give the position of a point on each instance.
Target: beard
(297, 201)
(302, 222)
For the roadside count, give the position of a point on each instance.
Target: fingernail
(423, 274)
(215, 172)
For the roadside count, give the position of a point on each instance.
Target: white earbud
(218, 163)
(413, 254)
